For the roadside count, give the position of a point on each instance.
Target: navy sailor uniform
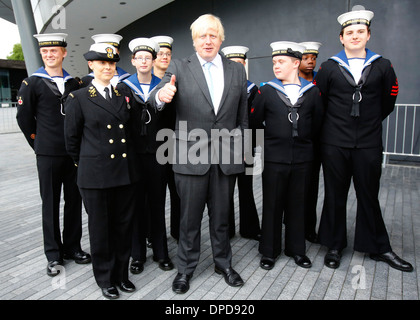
(249, 222)
(40, 116)
(151, 193)
(287, 156)
(351, 146)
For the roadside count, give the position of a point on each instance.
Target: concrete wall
(256, 24)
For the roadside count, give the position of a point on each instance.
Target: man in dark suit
(40, 116)
(207, 103)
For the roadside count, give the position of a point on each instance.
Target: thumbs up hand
(173, 80)
(168, 91)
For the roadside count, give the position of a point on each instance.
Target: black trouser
(54, 174)
(312, 201)
(150, 193)
(175, 202)
(249, 222)
(340, 165)
(110, 220)
(284, 193)
(214, 189)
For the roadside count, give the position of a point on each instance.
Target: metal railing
(401, 133)
(8, 123)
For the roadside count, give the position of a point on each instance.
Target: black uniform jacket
(252, 91)
(98, 139)
(271, 113)
(40, 112)
(378, 96)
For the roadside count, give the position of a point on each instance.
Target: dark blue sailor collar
(342, 60)
(133, 82)
(250, 85)
(42, 73)
(305, 85)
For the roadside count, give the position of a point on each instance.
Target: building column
(24, 17)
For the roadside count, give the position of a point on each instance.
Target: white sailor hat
(102, 52)
(355, 17)
(163, 41)
(311, 47)
(109, 38)
(144, 44)
(287, 48)
(51, 39)
(235, 52)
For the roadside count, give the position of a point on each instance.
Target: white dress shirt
(101, 88)
(218, 79)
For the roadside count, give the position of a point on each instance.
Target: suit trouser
(53, 173)
(110, 214)
(339, 166)
(284, 193)
(249, 222)
(214, 189)
(150, 207)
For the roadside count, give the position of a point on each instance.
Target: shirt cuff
(159, 104)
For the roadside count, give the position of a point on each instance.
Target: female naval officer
(96, 135)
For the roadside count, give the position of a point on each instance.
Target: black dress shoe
(181, 283)
(312, 237)
(165, 264)
(232, 278)
(393, 260)
(127, 286)
(110, 293)
(301, 260)
(267, 263)
(52, 269)
(80, 257)
(332, 259)
(136, 266)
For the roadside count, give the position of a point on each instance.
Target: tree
(17, 53)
